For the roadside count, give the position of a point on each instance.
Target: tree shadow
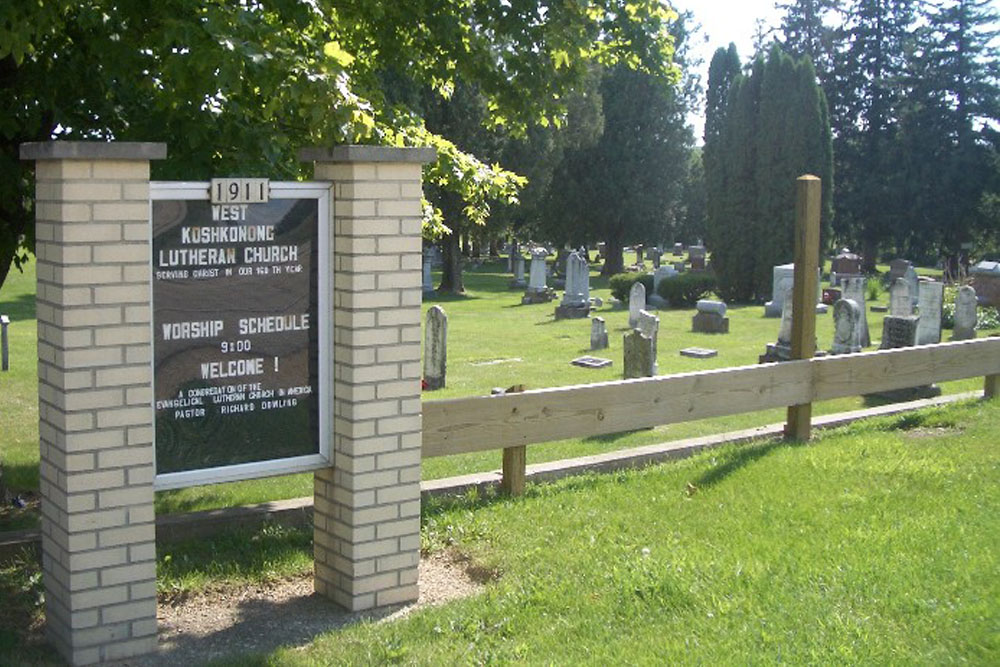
(20, 308)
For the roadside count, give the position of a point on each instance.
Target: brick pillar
(94, 396)
(367, 506)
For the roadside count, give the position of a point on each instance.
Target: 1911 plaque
(236, 335)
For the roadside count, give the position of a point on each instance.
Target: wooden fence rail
(461, 425)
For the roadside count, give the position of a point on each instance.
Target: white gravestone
(846, 327)
(900, 304)
(855, 289)
(785, 330)
(931, 304)
(664, 272)
(536, 279)
(435, 347)
(965, 314)
(782, 280)
(577, 294)
(636, 302)
(913, 282)
(518, 270)
(598, 334)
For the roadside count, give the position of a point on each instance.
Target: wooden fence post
(515, 462)
(807, 213)
(990, 386)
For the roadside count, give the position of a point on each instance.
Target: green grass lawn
(876, 543)
(493, 341)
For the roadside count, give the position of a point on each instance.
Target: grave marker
(847, 317)
(636, 302)
(931, 305)
(900, 304)
(576, 298)
(598, 334)
(639, 355)
(649, 325)
(710, 317)
(855, 288)
(435, 348)
(965, 314)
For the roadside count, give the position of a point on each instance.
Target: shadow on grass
(739, 458)
(20, 308)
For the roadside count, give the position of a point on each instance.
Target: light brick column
(367, 506)
(94, 396)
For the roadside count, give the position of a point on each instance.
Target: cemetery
(434, 333)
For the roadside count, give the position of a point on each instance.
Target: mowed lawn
(493, 341)
(878, 543)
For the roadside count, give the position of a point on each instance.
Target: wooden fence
(461, 425)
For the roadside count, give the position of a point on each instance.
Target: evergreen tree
(722, 72)
(866, 90)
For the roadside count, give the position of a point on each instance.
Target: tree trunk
(477, 246)
(451, 268)
(868, 253)
(495, 248)
(613, 261)
(466, 245)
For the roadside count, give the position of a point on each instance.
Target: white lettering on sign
(214, 370)
(189, 330)
(273, 324)
(270, 254)
(240, 190)
(210, 235)
(197, 256)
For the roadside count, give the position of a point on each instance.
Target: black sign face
(235, 332)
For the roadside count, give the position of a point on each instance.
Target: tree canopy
(238, 87)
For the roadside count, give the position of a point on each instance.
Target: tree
(691, 223)
(239, 87)
(625, 187)
(777, 128)
(867, 89)
(722, 71)
(947, 143)
(805, 32)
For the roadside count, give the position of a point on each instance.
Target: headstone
(435, 348)
(931, 305)
(661, 274)
(986, 282)
(897, 268)
(913, 282)
(679, 267)
(965, 314)
(782, 280)
(591, 362)
(831, 295)
(598, 334)
(428, 280)
(847, 317)
(518, 271)
(699, 352)
(538, 290)
(782, 349)
(655, 254)
(638, 257)
(899, 331)
(845, 264)
(855, 288)
(710, 317)
(639, 357)
(576, 298)
(900, 304)
(649, 325)
(636, 302)
(678, 249)
(696, 255)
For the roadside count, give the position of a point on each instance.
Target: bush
(621, 284)
(684, 290)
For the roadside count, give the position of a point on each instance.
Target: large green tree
(777, 128)
(722, 72)
(238, 87)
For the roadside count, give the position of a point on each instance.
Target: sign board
(241, 350)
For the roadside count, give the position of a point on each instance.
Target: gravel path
(232, 621)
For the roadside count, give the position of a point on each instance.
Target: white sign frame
(322, 191)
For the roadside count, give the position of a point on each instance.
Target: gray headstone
(847, 317)
(428, 280)
(965, 314)
(699, 352)
(598, 334)
(710, 306)
(785, 330)
(638, 350)
(518, 270)
(855, 289)
(649, 325)
(910, 276)
(662, 273)
(577, 292)
(536, 280)
(435, 347)
(931, 305)
(900, 304)
(782, 280)
(636, 302)
(899, 331)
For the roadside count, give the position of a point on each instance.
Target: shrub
(621, 284)
(684, 290)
